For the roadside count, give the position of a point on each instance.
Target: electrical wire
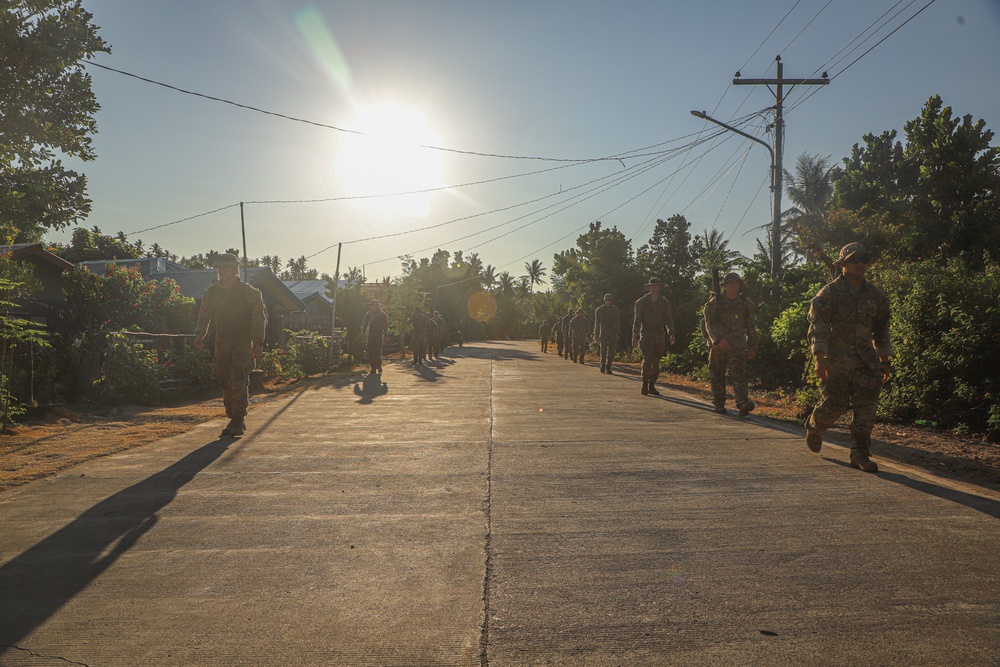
(799, 33)
(192, 217)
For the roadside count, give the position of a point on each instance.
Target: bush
(309, 352)
(195, 366)
(131, 372)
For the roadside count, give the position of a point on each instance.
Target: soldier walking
(607, 331)
(849, 336)
(440, 334)
(567, 341)
(375, 325)
(732, 339)
(653, 323)
(579, 328)
(234, 312)
(557, 333)
(418, 338)
(543, 335)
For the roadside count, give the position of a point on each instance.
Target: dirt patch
(963, 458)
(66, 437)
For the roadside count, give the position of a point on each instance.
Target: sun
(387, 158)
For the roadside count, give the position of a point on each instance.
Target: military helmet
(732, 276)
(227, 259)
(608, 297)
(850, 249)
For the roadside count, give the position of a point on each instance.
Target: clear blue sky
(554, 79)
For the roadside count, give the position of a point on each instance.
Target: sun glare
(387, 159)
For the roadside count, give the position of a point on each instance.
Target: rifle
(715, 281)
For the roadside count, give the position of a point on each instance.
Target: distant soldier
(375, 325)
(654, 320)
(607, 331)
(579, 328)
(849, 336)
(440, 334)
(564, 324)
(418, 337)
(234, 312)
(543, 335)
(557, 333)
(732, 339)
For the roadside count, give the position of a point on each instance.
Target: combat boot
(645, 387)
(652, 388)
(719, 409)
(861, 453)
(746, 407)
(238, 429)
(814, 440)
(229, 427)
(608, 370)
(862, 462)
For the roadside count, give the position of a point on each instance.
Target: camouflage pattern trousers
(653, 348)
(232, 365)
(545, 343)
(579, 349)
(608, 343)
(852, 385)
(375, 350)
(559, 345)
(419, 343)
(735, 359)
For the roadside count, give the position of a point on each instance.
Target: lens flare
(482, 307)
(312, 26)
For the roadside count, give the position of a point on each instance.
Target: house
(316, 296)
(48, 306)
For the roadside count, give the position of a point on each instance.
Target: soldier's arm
(366, 322)
(670, 320)
(637, 319)
(710, 313)
(880, 330)
(258, 315)
(820, 312)
(205, 316)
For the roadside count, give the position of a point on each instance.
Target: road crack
(484, 634)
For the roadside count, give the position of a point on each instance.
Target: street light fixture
(775, 196)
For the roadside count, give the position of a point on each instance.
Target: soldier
(849, 336)
(418, 339)
(234, 312)
(578, 334)
(654, 319)
(442, 331)
(607, 331)
(557, 333)
(543, 335)
(375, 325)
(567, 342)
(732, 339)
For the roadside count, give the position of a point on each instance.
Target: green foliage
(47, 107)
(131, 372)
(944, 324)
(16, 334)
(121, 300)
(194, 366)
(91, 244)
(271, 363)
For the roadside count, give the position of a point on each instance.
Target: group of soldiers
(848, 336)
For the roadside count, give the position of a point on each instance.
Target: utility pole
(779, 83)
(333, 306)
(243, 231)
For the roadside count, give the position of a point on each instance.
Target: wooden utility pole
(333, 305)
(243, 232)
(779, 84)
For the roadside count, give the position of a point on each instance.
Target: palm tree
(475, 263)
(713, 251)
(536, 273)
(810, 189)
(488, 277)
(505, 283)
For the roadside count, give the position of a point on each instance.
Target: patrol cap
(654, 281)
(608, 297)
(374, 302)
(227, 259)
(851, 249)
(731, 277)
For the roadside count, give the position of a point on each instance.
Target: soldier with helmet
(607, 331)
(375, 325)
(849, 337)
(732, 339)
(652, 325)
(234, 312)
(578, 328)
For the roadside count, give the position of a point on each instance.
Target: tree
(669, 256)
(47, 108)
(92, 244)
(535, 271)
(810, 189)
(505, 283)
(936, 195)
(711, 250)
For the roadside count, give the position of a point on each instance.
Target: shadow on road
(979, 503)
(371, 388)
(37, 583)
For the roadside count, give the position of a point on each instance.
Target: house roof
(35, 251)
(148, 266)
(310, 289)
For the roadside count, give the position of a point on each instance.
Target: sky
(538, 97)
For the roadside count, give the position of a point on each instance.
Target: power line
(192, 217)
(799, 33)
(350, 131)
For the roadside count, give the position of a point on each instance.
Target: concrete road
(499, 507)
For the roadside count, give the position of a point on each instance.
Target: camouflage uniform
(557, 332)
(607, 330)
(731, 320)
(567, 341)
(654, 322)
(851, 325)
(442, 333)
(579, 327)
(237, 317)
(543, 335)
(376, 324)
(418, 339)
